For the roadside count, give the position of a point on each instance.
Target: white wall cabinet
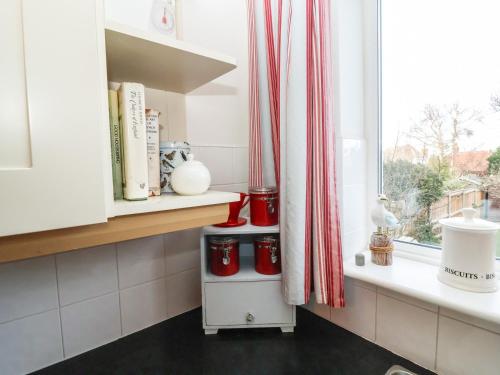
(55, 157)
(51, 115)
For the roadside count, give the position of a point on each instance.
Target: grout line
(470, 324)
(164, 243)
(362, 284)
(181, 272)
(59, 308)
(165, 273)
(90, 298)
(402, 300)
(376, 314)
(437, 339)
(144, 282)
(217, 145)
(29, 315)
(119, 294)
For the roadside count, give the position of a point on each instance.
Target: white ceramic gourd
(191, 177)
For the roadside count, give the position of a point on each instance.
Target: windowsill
(418, 279)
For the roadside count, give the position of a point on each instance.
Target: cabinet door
(51, 115)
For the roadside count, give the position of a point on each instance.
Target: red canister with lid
(224, 255)
(264, 206)
(267, 255)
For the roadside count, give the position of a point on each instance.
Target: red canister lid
(263, 190)
(223, 240)
(270, 239)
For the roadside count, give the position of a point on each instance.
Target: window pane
(440, 86)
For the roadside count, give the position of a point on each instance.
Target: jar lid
(263, 189)
(222, 240)
(266, 239)
(468, 223)
(174, 144)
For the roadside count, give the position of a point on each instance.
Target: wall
(59, 306)
(217, 113)
(436, 338)
(348, 105)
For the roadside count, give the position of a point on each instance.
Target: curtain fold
(292, 135)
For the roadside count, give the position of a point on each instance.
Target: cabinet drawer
(231, 303)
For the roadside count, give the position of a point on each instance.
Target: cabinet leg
(287, 329)
(211, 331)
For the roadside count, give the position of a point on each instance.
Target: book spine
(116, 154)
(153, 136)
(133, 131)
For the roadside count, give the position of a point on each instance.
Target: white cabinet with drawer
(53, 115)
(254, 303)
(246, 299)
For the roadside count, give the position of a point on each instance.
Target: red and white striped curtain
(292, 140)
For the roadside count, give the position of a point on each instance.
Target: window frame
(372, 48)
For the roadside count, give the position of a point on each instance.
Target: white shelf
(419, 280)
(244, 229)
(246, 273)
(160, 62)
(172, 201)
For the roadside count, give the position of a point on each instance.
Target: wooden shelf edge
(122, 228)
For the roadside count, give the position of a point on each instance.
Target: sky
(440, 52)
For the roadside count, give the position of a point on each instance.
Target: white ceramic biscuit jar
(468, 259)
(191, 177)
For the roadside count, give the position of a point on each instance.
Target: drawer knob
(250, 318)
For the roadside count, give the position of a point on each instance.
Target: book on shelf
(153, 137)
(116, 154)
(132, 116)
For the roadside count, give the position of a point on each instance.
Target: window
(440, 112)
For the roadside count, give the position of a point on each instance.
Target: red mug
(235, 208)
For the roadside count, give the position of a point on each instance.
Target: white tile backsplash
(183, 292)
(359, 314)
(480, 323)
(237, 188)
(218, 160)
(407, 330)
(91, 323)
(143, 305)
(140, 260)
(363, 284)
(355, 242)
(354, 162)
(182, 250)
(86, 273)
(207, 123)
(27, 287)
(30, 343)
(407, 299)
(89, 309)
(458, 344)
(353, 207)
(240, 164)
(464, 349)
